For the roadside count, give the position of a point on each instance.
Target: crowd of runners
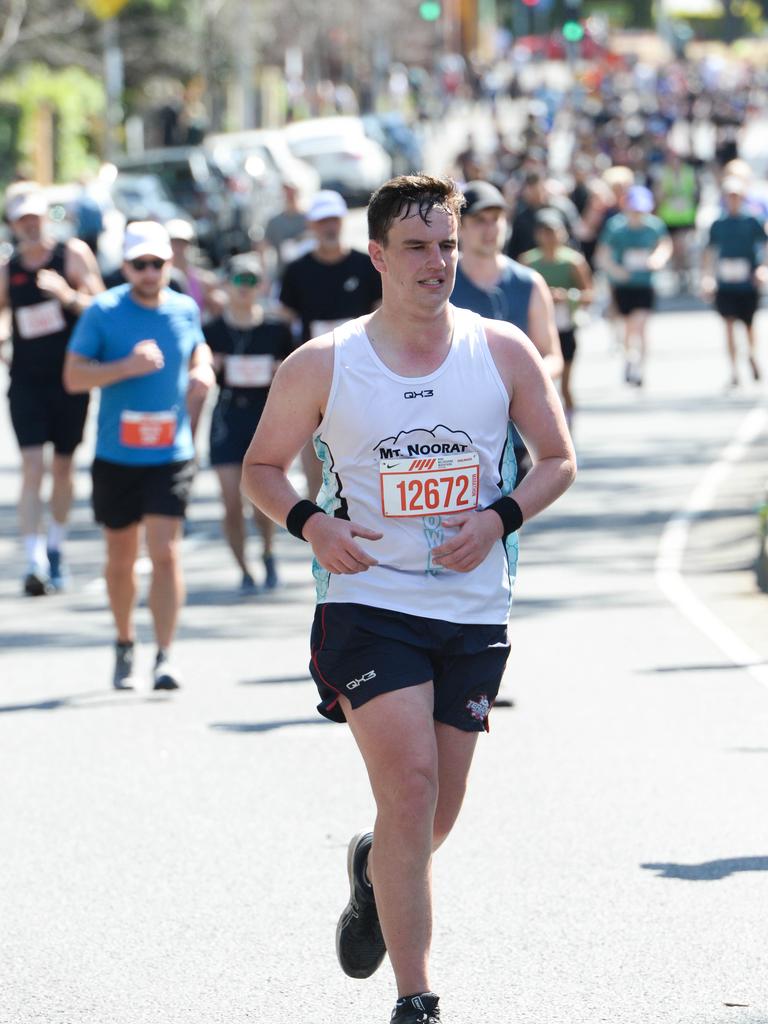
(424, 388)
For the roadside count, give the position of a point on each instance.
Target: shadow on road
(277, 680)
(726, 666)
(92, 699)
(266, 726)
(709, 871)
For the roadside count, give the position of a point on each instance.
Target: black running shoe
(36, 584)
(418, 1009)
(165, 675)
(360, 945)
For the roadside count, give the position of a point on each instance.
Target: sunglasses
(143, 264)
(245, 280)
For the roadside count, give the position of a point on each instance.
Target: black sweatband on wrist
(298, 516)
(510, 514)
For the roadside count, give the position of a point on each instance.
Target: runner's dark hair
(398, 196)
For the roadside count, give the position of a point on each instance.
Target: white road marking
(674, 539)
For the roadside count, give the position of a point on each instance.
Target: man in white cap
(143, 346)
(46, 285)
(326, 287)
(733, 269)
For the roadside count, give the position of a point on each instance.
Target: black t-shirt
(261, 346)
(325, 294)
(41, 326)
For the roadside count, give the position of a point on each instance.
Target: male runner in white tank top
(414, 543)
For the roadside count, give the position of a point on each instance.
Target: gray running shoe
(56, 574)
(360, 945)
(270, 580)
(122, 678)
(418, 1009)
(165, 675)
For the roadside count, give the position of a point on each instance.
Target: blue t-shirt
(738, 242)
(631, 246)
(509, 299)
(143, 421)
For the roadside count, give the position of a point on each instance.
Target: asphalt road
(179, 859)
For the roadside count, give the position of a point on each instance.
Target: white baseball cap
(180, 229)
(146, 238)
(734, 186)
(22, 203)
(327, 204)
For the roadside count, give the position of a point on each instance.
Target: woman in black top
(247, 349)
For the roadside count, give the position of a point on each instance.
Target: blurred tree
(74, 97)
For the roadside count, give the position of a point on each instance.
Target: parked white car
(343, 155)
(264, 156)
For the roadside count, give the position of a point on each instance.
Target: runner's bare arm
(81, 374)
(542, 328)
(584, 283)
(201, 379)
(661, 254)
(5, 324)
(536, 411)
(293, 410)
(81, 282)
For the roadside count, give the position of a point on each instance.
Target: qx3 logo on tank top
(428, 474)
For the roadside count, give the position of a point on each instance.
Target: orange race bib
(147, 429)
(437, 485)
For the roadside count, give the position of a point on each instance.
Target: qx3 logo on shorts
(364, 678)
(419, 394)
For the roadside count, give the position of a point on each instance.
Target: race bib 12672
(429, 486)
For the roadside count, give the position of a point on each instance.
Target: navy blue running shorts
(122, 495)
(233, 424)
(628, 298)
(43, 412)
(737, 304)
(362, 652)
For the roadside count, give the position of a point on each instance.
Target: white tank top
(399, 455)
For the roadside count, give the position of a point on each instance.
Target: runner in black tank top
(46, 286)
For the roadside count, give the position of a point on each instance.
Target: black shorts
(631, 297)
(568, 345)
(362, 652)
(45, 412)
(123, 495)
(737, 304)
(233, 423)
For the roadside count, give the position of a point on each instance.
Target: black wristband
(510, 514)
(298, 516)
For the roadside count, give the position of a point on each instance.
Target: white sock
(56, 534)
(34, 549)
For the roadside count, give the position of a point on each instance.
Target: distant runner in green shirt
(569, 278)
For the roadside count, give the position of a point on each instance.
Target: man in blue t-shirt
(143, 346)
(732, 268)
(632, 247)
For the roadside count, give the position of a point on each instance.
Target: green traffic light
(573, 31)
(430, 10)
